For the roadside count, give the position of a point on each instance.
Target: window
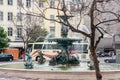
(10, 2)
(72, 7)
(41, 19)
(78, 16)
(52, 17)
(28, 18)
(10, 16)
(19, 16)
(28, 3)
(10, 31)
(1, 15)
(1, 2)
(41, 4)
(19, 2)
(52, 31)
(19, 32)
(38, 46)
(81, 48)
(52, 4)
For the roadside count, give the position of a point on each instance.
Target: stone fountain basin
(46, 67)
(41, 74)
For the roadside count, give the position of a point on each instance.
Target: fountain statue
(64, 57)
(28, 64)
(41, 58)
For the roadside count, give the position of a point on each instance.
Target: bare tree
(28, 29)
(99, 12)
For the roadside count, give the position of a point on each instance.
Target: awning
(16, 44)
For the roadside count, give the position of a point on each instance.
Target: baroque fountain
(65, 60)
(64, 57)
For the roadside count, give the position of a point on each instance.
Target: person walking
(23, 54)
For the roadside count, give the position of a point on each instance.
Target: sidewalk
(56, 75)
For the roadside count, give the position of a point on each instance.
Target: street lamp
(113, 41)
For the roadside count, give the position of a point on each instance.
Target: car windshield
(3, 55)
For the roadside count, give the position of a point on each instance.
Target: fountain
(64, 57)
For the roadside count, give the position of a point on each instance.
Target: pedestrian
(20, 53)
(23, 53)
(113, 55)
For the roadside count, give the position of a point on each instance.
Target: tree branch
(99, 38)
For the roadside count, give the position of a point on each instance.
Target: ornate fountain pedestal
(64, 57)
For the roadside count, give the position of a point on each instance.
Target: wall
(13, 51)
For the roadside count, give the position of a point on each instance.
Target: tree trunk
(24, 51)
(96, 64)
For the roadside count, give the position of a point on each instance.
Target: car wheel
(37, 58)
(107, 61)
(10, 59)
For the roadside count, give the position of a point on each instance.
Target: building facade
(11, 17)
(13, 13)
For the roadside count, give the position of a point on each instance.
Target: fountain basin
(55, 74)
(46, 67)
(16, 69)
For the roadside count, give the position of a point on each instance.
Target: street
(101, 59)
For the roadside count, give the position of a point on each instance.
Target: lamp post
(113, 42)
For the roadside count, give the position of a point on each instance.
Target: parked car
(106, 52)
(100, 54)
(111, 59)
(6, 57)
